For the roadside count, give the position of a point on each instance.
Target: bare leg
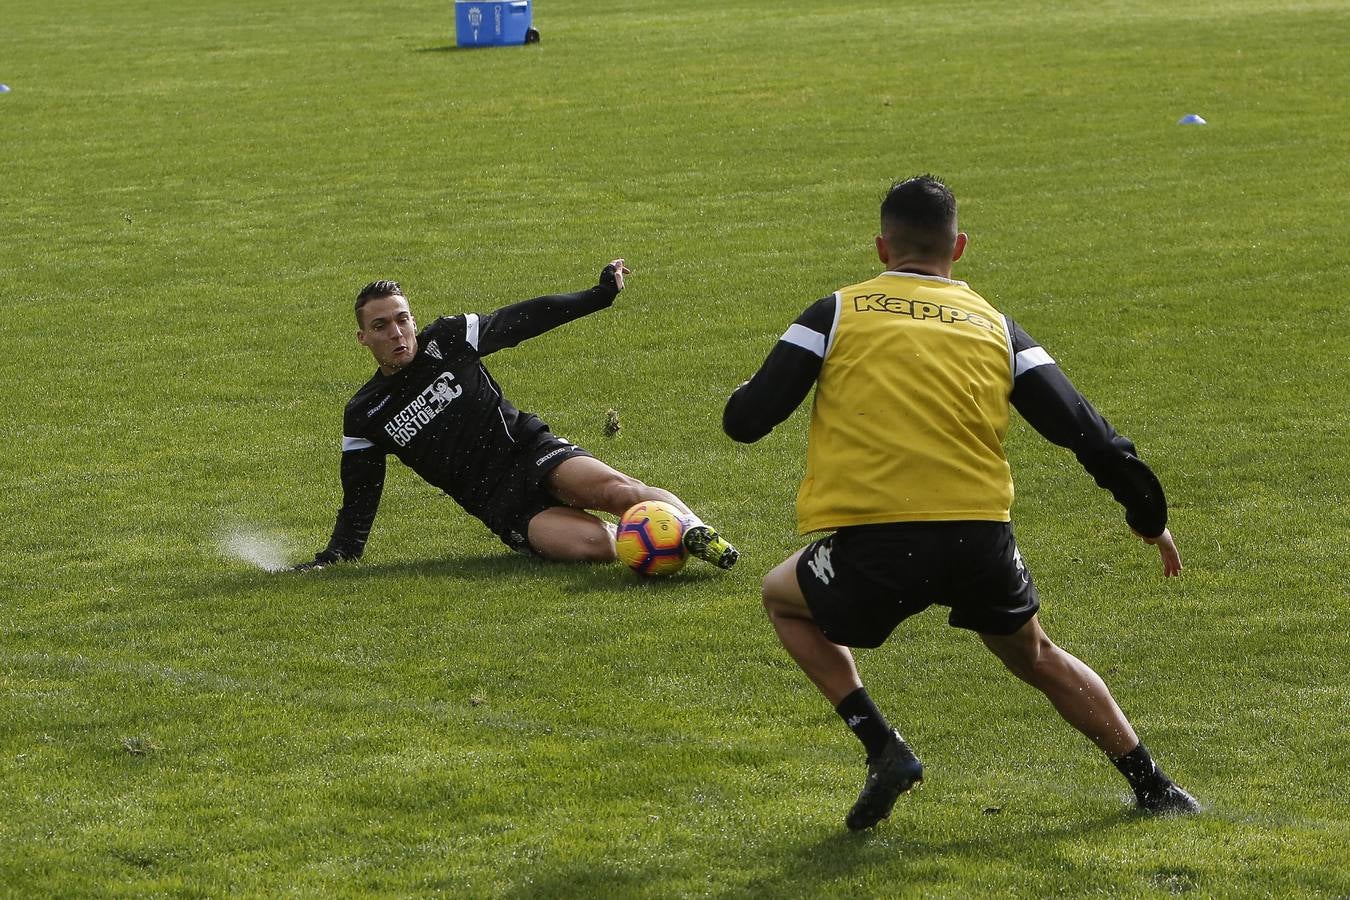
(587, 483)
(827, 664)
(571, 535)
(892, 767)
(1077, 692)
(584, 482)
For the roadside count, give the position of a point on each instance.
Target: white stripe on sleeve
(351, 443)
(471, 330)
(1007, 339)
(801, 336)
(1029, 359)
(834, 323)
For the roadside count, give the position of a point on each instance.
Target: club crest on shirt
(433, 350)
(404, 426)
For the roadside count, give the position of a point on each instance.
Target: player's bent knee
(1020, 660)
(1037, 664)
(597, 552)
(596, 544)
(1023, 669)
(577, 550)
(623, 491)
(1028, 652)
(611, 491)
(777, 611)
(568, 535)
(781, 596)
(769, 592)
(1051, 663)
(767, 601)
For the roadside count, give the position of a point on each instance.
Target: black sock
(1139, 768)
(869, 725)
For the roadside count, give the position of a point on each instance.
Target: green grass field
(191, 193)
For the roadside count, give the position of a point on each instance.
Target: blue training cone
(1191, 119)
(4, 89)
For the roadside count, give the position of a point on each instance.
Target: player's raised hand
(1167, 548)
(613, 274)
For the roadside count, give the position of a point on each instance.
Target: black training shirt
(443, 415)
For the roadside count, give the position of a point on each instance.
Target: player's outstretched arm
(1167, 548)
(1053, 406)
(784, 379)
(511, 325)
(362, 485)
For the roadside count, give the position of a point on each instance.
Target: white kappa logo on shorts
(820, 566)
(552, 453)
(1021, 566)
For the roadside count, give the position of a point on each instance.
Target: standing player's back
(911, 408)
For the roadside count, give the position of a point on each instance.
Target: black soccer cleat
(1165, 798)
(709, 546)
(891, 774)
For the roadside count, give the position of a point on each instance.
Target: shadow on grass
(841, 855)
(455, 48)
(576, 577)
(830, 865)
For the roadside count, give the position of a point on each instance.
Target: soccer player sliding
(433, 405)
(915, 374)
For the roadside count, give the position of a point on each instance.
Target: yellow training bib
(911, 408)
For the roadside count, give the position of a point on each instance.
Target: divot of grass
(140, 746)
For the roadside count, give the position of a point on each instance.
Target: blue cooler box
(493, 23)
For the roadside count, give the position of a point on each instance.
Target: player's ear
(882, 252)
(960, 247)
(361, 336)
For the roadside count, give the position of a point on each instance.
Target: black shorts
(861, 582)
(522, 493)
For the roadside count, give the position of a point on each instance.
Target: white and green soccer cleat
(705, 543)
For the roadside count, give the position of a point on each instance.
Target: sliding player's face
(389, 333)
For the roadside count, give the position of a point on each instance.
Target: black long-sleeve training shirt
(443, 415)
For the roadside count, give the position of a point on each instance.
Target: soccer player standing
(433, 405)
(915, 374)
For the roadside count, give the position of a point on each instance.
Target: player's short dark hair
(918, 216)
(376, 290)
